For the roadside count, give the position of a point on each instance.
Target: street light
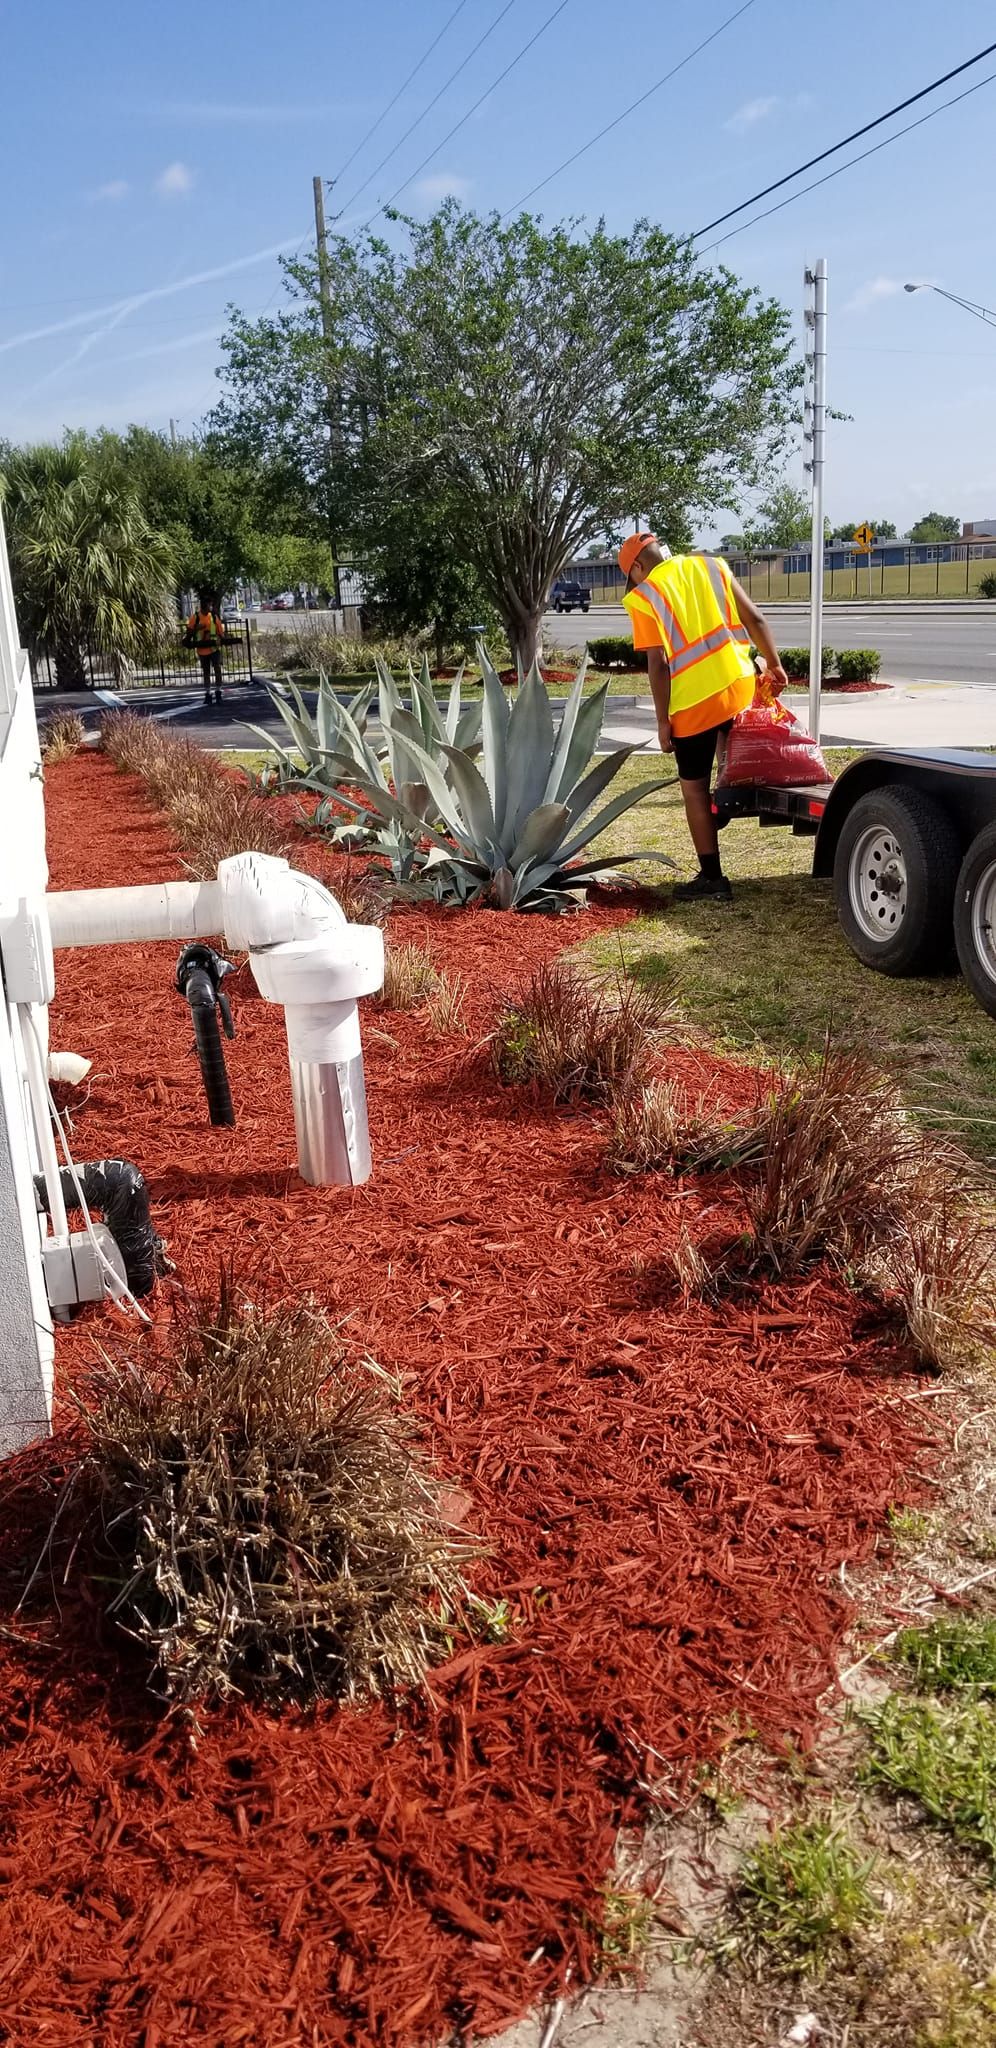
(983, 313)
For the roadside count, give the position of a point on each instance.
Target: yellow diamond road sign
(865, 538)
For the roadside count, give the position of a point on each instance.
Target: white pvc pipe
(115, 917)
(41, 1117)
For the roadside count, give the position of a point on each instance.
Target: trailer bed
(799, 805)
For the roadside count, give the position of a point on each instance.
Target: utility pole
(172, 433)
(325, 302)
(814, 433)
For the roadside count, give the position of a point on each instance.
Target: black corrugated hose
(200, 972)
(119, 1191)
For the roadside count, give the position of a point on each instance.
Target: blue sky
(154, 162)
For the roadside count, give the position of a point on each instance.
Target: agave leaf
(273, 747)
(415, 796)
(301, 729)
(447, 807)
(379, 803)
(540, 835)
(530, 744)
(359, 706)
(390, 700)
(475, 804)
(454, 706)
(606, 817)
(327, 717)
(584, 740)
(424, 698)
(495, 720)
(556, 782)
(599, 775)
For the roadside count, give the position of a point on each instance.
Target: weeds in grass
(61, 736)
(625, 1930)
(579, 1039)
(410, 976)
(942, 1756)
(909, 1528)
(956, 1653)
(662, 1127)
(803, 1896)
(263, 1521)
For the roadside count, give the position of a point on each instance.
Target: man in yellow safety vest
(695, 622)
(206, 634)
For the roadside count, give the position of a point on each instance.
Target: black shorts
(696, 754)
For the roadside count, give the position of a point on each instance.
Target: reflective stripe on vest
(707, 653)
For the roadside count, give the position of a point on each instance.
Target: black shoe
(207, 703)
(217, 697)
(704, 889)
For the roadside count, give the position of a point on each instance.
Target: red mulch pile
(667, 1492)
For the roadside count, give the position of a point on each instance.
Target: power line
(860, 159)
(462, 66)
(486, 94)
(855, 136)
(631, 109)
(403, 87)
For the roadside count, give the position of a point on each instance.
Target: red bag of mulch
(768, 744)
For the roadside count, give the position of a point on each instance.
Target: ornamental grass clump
(61, 736)
(579, 1039)
(662, 1128)
(260, 1519)
(221, 820)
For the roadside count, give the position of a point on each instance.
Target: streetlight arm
(983, 313)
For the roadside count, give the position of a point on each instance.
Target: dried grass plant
(446, 1005)
(213, 815)
(580, 1039)
(410, 976)
(264, 1523)
(661, 1128)
(62, 736)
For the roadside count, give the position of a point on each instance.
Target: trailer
(908, 838)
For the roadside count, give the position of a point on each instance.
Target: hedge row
(850, 664)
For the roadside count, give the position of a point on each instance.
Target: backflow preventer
(304, 955)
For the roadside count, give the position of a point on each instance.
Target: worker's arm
(660, 690)
(760, 632)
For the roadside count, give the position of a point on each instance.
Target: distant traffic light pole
(814, 437)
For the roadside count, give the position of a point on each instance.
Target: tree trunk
(440, 645)
(524, 637)
(70, 667)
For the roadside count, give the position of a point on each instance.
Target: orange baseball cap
(631, 548)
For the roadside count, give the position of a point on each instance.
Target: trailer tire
(975, 919)
(894, 878)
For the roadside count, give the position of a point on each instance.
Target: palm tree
(87, 567)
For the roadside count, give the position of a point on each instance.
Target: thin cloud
(870, 294)
(159, 291)
(751, 113)
(175, 181)
(442, 185)
(115, 188)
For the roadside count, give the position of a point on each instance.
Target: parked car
(567, 596)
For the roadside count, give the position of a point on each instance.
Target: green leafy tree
(86, 563)
(416, 582)
(936, 526)
(883, 529)
(531, 388)
(201, 498)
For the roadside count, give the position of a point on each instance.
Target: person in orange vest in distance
(206, 634)
(695, 622)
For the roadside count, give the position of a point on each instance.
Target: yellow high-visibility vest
(686, 606)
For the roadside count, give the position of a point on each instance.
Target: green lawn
(768, 975)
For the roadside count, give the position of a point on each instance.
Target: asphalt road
(917, 642)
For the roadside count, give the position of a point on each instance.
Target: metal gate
(170, 667)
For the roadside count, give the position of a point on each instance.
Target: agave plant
(338, 757)
(510, 832)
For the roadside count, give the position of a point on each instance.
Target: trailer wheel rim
(877, 883)
(984, 920)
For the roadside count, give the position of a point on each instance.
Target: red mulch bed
(667, 1492)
